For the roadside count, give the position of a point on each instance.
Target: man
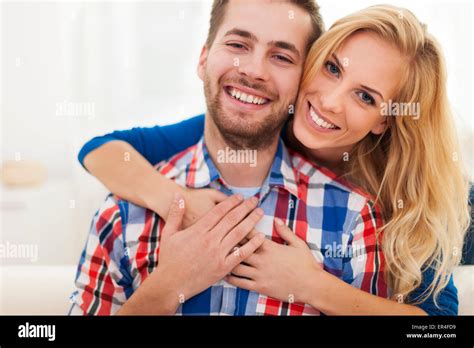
(251, 66)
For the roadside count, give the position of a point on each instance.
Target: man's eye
(283, 58)
(333, 69)
(366, 98)
(236, 45)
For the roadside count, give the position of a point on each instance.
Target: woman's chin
(309, 140)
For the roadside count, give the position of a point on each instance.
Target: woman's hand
(290, 273)
(284, 272)
(198, 201)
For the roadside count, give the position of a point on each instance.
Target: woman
(407, 163)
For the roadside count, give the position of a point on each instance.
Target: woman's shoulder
(446, 303)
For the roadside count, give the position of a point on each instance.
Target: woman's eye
(366, 98)
(333, 69)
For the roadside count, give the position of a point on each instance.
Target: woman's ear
(202, 63)
(380, 127)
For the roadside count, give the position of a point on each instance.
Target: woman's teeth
(319, 121)
(246, 98)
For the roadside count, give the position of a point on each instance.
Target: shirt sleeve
(363, 267)
(154, 143)
(103, 281)
(447, 299)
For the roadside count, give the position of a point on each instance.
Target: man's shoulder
(178, 166)
(116, 212)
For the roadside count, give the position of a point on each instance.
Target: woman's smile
(318, 121)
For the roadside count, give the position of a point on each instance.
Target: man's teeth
(246, 98)
(319, 121)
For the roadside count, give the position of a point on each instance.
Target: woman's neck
(333, 159)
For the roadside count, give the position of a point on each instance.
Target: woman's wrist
(319, 282)
(157, 192)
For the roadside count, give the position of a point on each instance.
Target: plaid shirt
(337, 222)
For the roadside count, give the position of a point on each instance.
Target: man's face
(252, 71)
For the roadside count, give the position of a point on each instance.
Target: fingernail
(254, 200)
(278, 221)
(177, 197)
(259, 211)
(239, 197)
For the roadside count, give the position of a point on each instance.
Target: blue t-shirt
(162, 142)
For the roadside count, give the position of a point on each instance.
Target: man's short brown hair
(310, 6)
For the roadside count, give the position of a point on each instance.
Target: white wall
(134, 64)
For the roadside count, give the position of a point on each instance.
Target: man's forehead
(268, 21)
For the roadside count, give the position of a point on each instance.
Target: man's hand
(199, 256)
(192, 259)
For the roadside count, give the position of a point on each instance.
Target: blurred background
(74, 70)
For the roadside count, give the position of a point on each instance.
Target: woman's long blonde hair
(414, 169)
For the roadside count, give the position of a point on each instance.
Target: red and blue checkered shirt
(337, 221)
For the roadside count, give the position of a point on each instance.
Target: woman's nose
(332, 100)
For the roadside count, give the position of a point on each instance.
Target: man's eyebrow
(286, 46)
(244, 33)
(248, 35)
(373, 91)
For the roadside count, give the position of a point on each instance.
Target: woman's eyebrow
(338, 63)
(373, 91)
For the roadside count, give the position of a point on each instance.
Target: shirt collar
(201, 171)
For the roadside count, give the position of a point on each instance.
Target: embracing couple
(344, 209)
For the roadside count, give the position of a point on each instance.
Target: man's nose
(254, 67)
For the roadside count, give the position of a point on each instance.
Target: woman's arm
(155, 144)
(332, 296)
(126, 173)
(123, 160)
(290, 271)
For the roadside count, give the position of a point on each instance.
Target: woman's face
(342, 104)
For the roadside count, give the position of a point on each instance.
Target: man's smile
(246, 98)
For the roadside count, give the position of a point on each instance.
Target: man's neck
(238, 167)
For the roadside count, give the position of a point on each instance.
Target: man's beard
(236, 132)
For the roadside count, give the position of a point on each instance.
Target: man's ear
(380, 127)
(201, 69)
